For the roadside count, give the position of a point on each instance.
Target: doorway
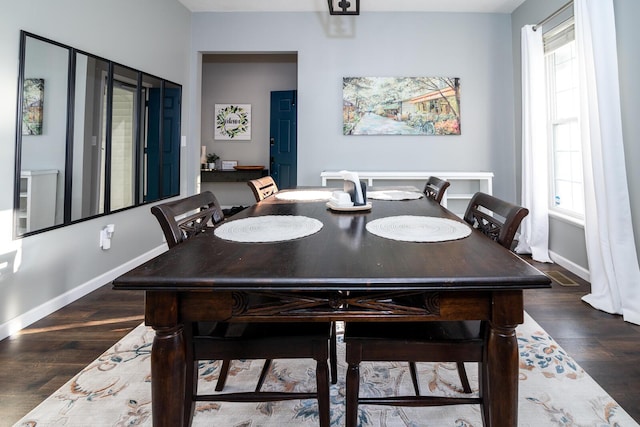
(243, 78)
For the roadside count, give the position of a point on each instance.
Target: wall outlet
(105, 236)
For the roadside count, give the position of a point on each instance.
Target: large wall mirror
(93, 137)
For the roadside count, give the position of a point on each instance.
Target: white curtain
(613, 262)
(534, 230)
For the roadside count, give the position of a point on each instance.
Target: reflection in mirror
(162, 142)
(124, 111)
(152, 87)
(94, 137)
(43, 135)
(171, 139)
(88, 136)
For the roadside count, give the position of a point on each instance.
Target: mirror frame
(166, 148)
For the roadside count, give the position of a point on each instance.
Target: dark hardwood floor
(36, 362)
(604, 345)
(44, 356)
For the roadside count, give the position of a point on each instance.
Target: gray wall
(474, 47)
(566, 239)
(628, 35)
(49, 269)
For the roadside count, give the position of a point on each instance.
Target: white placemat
(408, 228)
(268, 228)
(304, 195)
(394, 195)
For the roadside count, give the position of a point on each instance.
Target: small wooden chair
(435, 188)
(495, 218)
(410, 342)
(186, 218)
(441, 341)
(263, 187)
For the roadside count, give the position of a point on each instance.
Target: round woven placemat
(268, 228)
(408, 228)
(303, 195)
(394, 195)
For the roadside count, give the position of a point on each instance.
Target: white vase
(203, 157)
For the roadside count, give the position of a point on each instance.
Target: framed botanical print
(232, 122)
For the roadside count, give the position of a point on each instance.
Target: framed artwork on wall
(32, 103)
(229, 165)
(401, 105)
(232, 122)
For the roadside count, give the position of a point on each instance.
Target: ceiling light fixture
(344, 7)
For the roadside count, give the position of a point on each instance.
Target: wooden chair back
(497, 219)
(184, 218)
(435, 188)
(263, 187)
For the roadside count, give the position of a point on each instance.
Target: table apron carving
(273, 306)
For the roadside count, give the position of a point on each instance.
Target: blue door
(171, 142)
(284, 139)
(163, 144)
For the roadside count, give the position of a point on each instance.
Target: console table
(232, 175)
(463, 184)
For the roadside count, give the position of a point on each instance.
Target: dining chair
(439, 341)
(495, 218)
(185, 218)
(435, 187)
(263, 187)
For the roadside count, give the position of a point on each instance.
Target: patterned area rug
(115, 391)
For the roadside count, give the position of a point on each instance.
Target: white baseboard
(14, 325)
(576, 269)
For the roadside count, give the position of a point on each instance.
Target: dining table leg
(502, 367)
(168, 360)
(168, 378)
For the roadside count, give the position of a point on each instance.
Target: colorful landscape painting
(32, 106)
(401, 105)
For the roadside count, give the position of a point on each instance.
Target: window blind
(559, 35)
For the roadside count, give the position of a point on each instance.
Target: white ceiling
(477, 6)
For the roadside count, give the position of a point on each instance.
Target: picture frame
(32, 106)
(401, 105)
(229, 165)
(232, 122)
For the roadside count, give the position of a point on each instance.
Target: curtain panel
(611, 250)
(534, 230)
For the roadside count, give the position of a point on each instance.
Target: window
(567, 190)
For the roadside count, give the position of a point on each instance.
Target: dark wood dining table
(342, 272)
